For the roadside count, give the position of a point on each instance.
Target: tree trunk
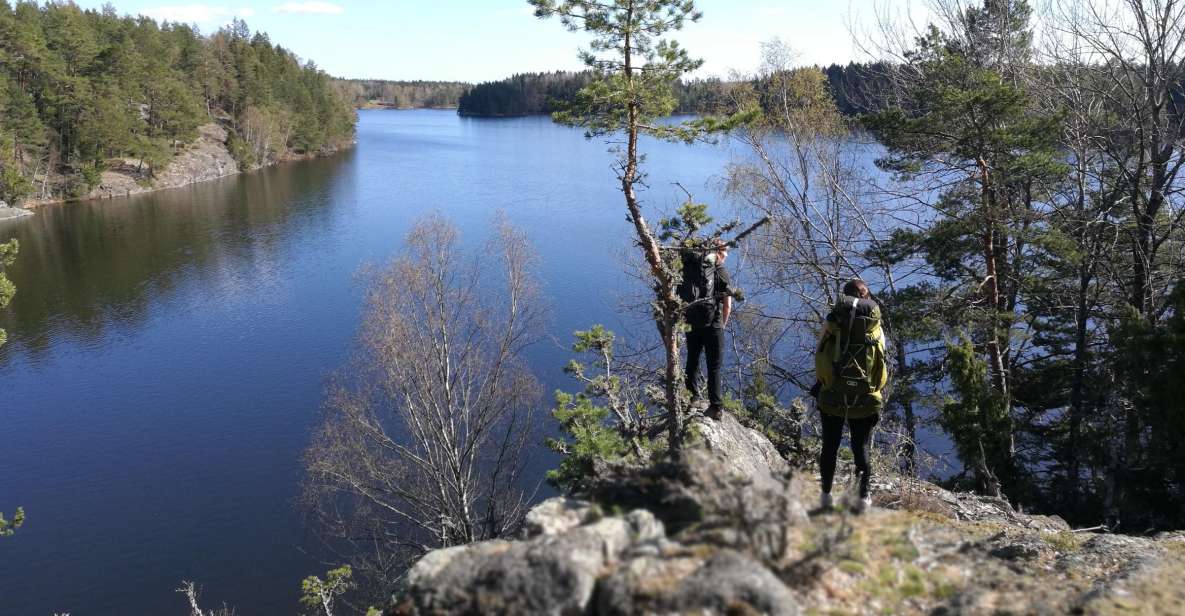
(991, 290)
(996, 362)
(911, 451)
(1078, 386)
(667, 305)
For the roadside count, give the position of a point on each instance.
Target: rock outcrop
(207, 158)
(7, 212)
(724, 531)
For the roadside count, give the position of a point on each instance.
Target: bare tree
(1126, 57)
(1135, 49)
(189, 589)
(800, 168)
(422, 442)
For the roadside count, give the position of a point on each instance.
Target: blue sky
(481, 40)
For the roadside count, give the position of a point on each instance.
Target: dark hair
(856, 288)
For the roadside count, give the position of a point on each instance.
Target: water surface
(167, 352)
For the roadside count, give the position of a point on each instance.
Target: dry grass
(909, 499)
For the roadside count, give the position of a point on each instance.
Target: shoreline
(206, 159)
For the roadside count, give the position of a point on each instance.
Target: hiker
(851, 372)
(705, 288)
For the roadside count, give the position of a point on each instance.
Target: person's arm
(826, 330)
(724, 292)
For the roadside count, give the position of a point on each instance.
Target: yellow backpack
(850, 360)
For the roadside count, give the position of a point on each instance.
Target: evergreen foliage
(1050, 252)
(82, 90)
(634, 69)
(532, 93)
(8, 528)
(591, 435)
(317, 595)
(401, 94)
(967, 122)
(1151, 357)
(8, 252)
(523, 94)
(856, 88)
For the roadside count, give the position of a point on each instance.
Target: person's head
(721, 250)
(857, 288)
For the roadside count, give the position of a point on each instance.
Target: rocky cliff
(7, 212)
(725, 531)
(207, 158)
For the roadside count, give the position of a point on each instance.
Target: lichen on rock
(722, 530)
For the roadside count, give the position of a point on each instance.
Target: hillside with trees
(522, 94)
(379, 93)
(532, 93)
(82, 91)
(856, 87)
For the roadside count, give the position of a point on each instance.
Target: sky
(485, 40)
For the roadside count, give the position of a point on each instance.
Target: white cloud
(203, 14)
(312, 6)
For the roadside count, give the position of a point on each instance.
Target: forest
(855, 87)
(381, 93)
(82, 91)
(522, 94)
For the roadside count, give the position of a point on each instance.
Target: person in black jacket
(706, 335)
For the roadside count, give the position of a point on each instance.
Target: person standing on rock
(706, 290)
(852, 375)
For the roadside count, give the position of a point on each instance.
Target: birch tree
(422, 443)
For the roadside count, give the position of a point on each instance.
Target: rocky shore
(727, 531)
(207, 158)
(7, 213)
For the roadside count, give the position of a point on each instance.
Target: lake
(167, 353)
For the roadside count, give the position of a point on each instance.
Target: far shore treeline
(386, 94)
(82, 91)
(854, 87)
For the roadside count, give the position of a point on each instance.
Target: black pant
(710, 341)
(861, 436)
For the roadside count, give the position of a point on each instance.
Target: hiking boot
(825, 502)
(864, 504)
(713, 412)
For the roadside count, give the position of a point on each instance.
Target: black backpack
(697, 288)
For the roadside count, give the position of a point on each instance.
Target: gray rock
(727, 583)
(727, 477)
(205, 159)
(556, 516)
(729, 497)
(1016, 551)
(426, 570)
(7, 212)
(550, 574)
(749, 453)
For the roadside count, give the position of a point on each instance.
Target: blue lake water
(167, 353)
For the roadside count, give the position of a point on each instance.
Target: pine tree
(633, 70)
(970, 122)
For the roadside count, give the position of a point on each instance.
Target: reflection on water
(87, 268)
(167, 352)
